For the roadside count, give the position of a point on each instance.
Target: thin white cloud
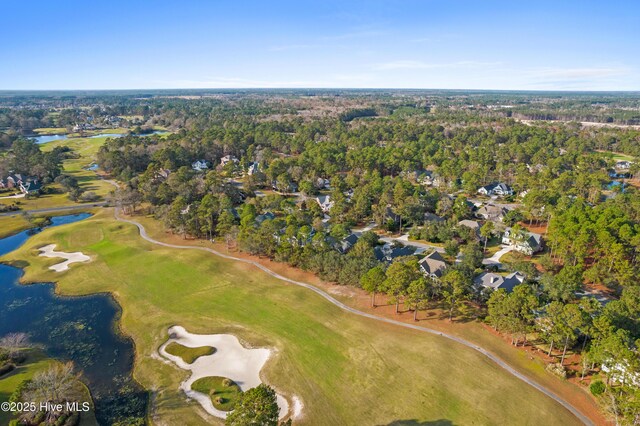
(579, 73)
(243, 83)
(583, 78)
(421, 65)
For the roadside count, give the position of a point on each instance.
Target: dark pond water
(79, 329)
(50, 138)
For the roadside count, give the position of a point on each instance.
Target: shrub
(17, 393)
(451, 247)
(597, 388)
(558, 370)
(89, 196)
(6, 368)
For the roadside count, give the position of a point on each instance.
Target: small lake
(79, 329)
(50, 138)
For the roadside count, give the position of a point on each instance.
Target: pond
(78, 329)
(50, 138)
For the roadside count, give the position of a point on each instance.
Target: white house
(199, 165)
(253, 169)
(620, 373)
(623, 165)
(500, 189)
(325, 203)
(528, 243)
(228, 159)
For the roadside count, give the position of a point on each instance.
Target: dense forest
(405, 162)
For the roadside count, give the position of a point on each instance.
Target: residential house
(433, 265)
(266, 216)
(11, 181)
(347, 243)
(528, 243)
(30, 186)
(291, 187)
(492, 212)
(425, 177)
(228, 159)
(623, 165)
(536, 168)
(388, 252)
(253, 168)
(493, 281)
(621, 373)
(322, 183)
(83, 126)
(161, 174)
(325, 203)
(431, 217)
(421, 177)
(199, 165)
(471, 224)
(389, 214)
(348, 194)
(500, 189)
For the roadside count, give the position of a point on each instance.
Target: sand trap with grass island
(47, 251)
(230, 360)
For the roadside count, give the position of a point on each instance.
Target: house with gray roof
(500, 189)
(433, 265)
(493, 281)
(492, 212)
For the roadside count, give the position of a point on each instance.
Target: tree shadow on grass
(413, 422)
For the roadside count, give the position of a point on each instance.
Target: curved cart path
(584, 419)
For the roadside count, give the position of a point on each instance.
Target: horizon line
(325, 88)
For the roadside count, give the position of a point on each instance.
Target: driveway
(404, 239)
(495, 259)
(21, 195)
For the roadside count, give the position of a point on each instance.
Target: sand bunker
(231, 360)
(47, 251)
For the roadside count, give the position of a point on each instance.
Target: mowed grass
(10, 225)
(224, 392)
(51, 130)
(189, 355)
(86, 149)
(345, 369)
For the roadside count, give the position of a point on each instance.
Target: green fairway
(188, 354)
(345, 369)
(86, 150)
(10, 225)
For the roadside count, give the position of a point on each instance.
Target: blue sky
(455, 44)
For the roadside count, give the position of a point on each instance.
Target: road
(502, 364)
(54, 209)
